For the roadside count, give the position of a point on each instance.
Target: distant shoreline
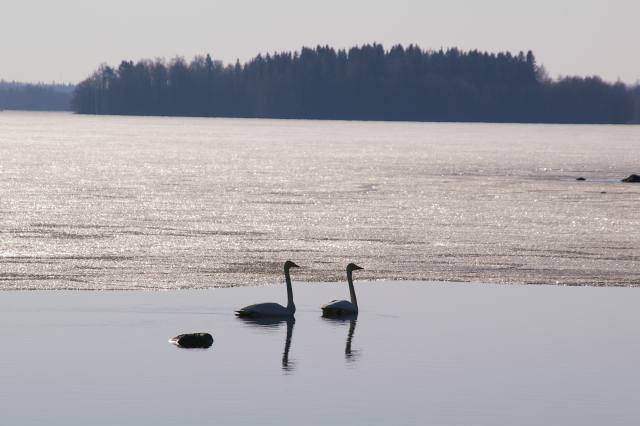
(35, 97)
(70, 112)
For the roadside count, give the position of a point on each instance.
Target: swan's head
(353, 267)
(289, 264)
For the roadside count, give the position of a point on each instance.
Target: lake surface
(419, 354)
(137, 203)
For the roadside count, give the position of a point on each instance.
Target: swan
(343, 307)
(262, 310)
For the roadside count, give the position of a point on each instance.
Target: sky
(66, 40)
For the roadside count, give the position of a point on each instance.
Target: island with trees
(361, 83)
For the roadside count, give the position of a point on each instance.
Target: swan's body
(264, 310)
(274, 310)
(344, 307)
(339, 307)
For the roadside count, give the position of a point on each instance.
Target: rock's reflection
(274, 323)
(349, 354)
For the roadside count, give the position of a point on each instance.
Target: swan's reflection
(274, 323)
(349, 355)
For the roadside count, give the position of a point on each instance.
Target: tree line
(636, 100)
(35, 97)
(361, 83)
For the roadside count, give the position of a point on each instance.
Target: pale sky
(65, 40)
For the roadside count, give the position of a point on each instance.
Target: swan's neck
(290, 305)
(352, 290)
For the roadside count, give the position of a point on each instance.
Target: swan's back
(339, 307)
(264, 310)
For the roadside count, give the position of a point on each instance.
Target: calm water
(420, 354)
(117, 202)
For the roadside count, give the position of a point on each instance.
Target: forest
(35, 97)
(362, 83)
(636, 103)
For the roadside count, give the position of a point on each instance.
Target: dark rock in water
(603, 192)
(193, 340)
(581, 179)
(632, 179)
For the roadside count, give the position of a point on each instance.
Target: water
(421, 353)
(136, 203)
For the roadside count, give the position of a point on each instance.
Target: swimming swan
(262, 310)
(343, 307)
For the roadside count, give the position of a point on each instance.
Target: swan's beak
(293, 265)
(356, 267)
